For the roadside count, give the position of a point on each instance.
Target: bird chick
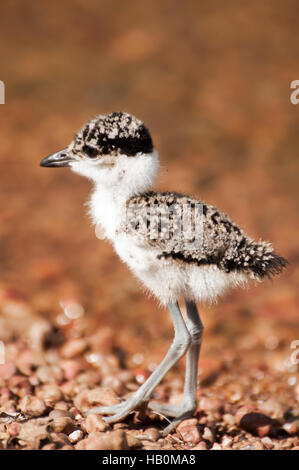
(178, 247)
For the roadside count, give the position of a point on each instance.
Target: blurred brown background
(212, 82)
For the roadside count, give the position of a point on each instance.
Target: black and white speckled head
(113, 134)
(110, 148)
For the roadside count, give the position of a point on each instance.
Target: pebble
(114, 383)
(71, 368)
(132, 441)
(50, 393)
(209, 404)
(273, 408)
(38, 333)
(252, 420)
(216, 446)
(50, 446)
(7, 370)
(189, 431)
(227, 442)
(98, 396)
(58, 413)
(19, 385)
(153, 434)
(95, 423)
(267, 442)
(33, 431)
(207, 434)
(49, 374)
(252, 445)
(61, 405)
(291, 427)
(114, 440)
(32, 406)
(74, 347)
(76, 436)
(228, 419)
(13, 429)
(61, 424)
(60, 439)
(200, 446)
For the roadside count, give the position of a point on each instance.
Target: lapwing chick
(178, 247)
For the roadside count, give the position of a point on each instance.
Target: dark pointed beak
(57, 159)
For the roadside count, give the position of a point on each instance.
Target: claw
(119, 411)
(179, 413)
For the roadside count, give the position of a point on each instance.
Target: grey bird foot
(180, 413)
(119, 411)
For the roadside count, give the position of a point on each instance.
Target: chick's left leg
(189, 403)
(140, 398)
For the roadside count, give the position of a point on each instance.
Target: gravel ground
(59, 371)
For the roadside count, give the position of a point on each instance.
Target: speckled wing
(182, 228)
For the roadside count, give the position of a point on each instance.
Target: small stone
(133, 442)
(61, 405)
(114, 440)
(226, 442)
(61, 423)
(33, 431)
(216, 446)
(50, 446)
(60, 413)
(7, 370)
(120, 426)
(76, 436)
(38, 333)
(273, 408)
(209, 404)
(74, 347)
(200, 446)
(95, 423)
(49, 374)
(114, 384)
(267, 442)
(287, 444)
(19, 385)
(60, 439)
(228, 419)
(50, 393)
(291, 427)
(13, 429)
(68, 388)
(207, 434)
(252, 445)
(153, 434)
(254, 421)
(32, 406)
(98, 396)
(71, 368)
(189, 431)
(242, 411)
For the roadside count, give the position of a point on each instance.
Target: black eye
(90, 151)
